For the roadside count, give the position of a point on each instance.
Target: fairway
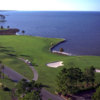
(37, 50)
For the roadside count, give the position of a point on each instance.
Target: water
(80, 29)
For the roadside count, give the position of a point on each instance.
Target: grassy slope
(13, 61)
(37, 50)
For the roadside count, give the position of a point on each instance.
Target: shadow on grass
(6, 89)
(34, 64)
(12, 55)
(45, 86)
(8, 50)
(24, 55)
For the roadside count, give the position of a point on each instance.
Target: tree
(61, 50)
(92, 75)
(31, 96)
(96, 95)
(23, 32)
(61, 81)
(24, 88)
(89, 75)
(67, 80)
(8, 27)
(1, 27)
(21, 86)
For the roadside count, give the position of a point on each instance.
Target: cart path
(45, 94)
(13, 75)
(35, 78)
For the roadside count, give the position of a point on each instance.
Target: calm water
(81, 29)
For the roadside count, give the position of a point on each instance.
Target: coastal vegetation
(8, 31)
(36, 50)
(2, 28)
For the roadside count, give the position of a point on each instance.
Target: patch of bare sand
(55, 64)
(97, 70)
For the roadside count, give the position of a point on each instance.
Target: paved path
(97, 70)
(13, 75)
(45, 94)
(35, 78)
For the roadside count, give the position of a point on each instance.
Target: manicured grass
(13, 62)
(36, 49)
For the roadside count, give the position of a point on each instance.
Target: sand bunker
(55, 64)
(97, 70)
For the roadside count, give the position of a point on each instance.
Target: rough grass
(6, 95)
(36, 49)
(3, 28)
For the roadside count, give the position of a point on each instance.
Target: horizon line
(55, 10)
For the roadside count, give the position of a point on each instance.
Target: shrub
(61, 50)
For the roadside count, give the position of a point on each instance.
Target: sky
(50, 5)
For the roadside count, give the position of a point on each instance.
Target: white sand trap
(55, 64)
(97, 70)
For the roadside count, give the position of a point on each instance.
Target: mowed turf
(5, 95)
(36, 49)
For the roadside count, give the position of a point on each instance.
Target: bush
(1, 27)
(61, 50)
(6, 89)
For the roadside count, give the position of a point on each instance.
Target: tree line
(8, 27)
(71, 80)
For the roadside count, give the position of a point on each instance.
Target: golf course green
(37, 50)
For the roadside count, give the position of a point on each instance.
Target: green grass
(7, 82)
(18, 66)
(36, 49)
(13, 62)
(3, 28)
(6, 95)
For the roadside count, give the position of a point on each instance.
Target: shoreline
(58, 52)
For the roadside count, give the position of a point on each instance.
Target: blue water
(80, 29)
